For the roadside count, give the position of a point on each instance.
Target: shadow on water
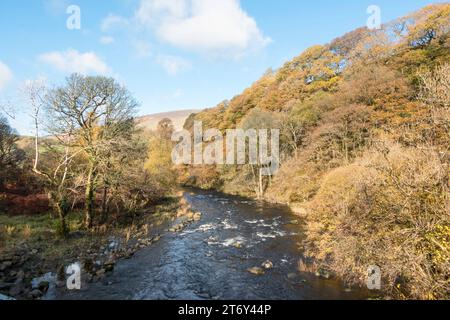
(210, 259)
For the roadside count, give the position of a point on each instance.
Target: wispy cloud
(71, 61)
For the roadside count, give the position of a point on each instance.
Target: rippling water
(210, 258)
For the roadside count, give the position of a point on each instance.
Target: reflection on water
(210, 258)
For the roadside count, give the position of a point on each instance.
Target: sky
(170, 54)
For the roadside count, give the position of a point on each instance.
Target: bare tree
(7, 108)
(435, 86)
(56, 172)
(434, 91)
(100, 113)
(260, 120)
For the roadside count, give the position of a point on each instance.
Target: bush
(388, 209)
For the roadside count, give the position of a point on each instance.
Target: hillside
(150, 122)
(365, 136)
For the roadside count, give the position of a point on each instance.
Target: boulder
(109, 266)
(43, 286)
(256, 271)
(197, 216)
(190, 215)
(35, 294)
(267, 264)
(237, 245)
(100, 273)
(323, 274)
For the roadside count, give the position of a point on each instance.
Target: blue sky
(171, 54)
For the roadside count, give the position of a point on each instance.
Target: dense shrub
(389, 209)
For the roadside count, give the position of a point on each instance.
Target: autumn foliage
(365, 136)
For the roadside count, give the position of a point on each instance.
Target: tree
(56, 171)
(159, 161)
(298, 119)
(100, 113)
(165, 129)
(260, 120)
(435, 86)
(433, 129)
(373, 84)
(10, 155)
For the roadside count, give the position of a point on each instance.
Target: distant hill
(178, 118)
(148, 122)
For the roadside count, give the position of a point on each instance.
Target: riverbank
(32, 256)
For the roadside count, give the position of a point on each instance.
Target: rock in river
(197, 216)
(256, 271)
(267, 264)
(35, 294)
(43, 286)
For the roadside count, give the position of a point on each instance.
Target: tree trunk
(62, 208)
(105, 210)
(89, 198)
(62, 219)
(261, 188)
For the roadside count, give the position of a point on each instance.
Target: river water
(210, 258)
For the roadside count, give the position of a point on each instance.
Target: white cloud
(218, 28)
(173, 64)
(113, 21)
(5, 75)
(71, 61)
(107, 40)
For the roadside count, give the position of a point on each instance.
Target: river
(210, 259)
